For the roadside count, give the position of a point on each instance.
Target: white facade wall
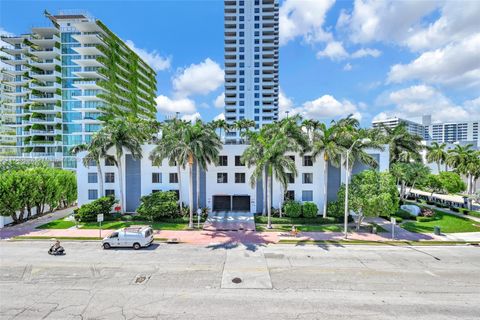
(212, 187)
(231, 188)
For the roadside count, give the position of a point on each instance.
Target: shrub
(399, 219)
(425, 219)
(404, 214)
(88, 212)
(336, 210)
(430, 202)
(455, 209)
(292, 209)
(161, 204)
(287, 220)
(309, 210)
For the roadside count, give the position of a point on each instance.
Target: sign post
(393, 220)
(99, 220)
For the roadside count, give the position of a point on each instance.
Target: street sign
(100, 217)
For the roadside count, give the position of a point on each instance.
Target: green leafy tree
(10, 194)
(161, 204)
(451, 182)
(371, 194)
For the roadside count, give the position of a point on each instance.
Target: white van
(135, 237)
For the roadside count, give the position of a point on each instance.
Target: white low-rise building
(223, 187)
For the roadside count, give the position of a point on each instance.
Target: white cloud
(386, 20)
(153, 58)
(347, 67)
(325, 107)
(456, 22)
(304, 19)
(219, 101)
(220, 116)
(422, 99)
(366, 52)
(192, 117)
(182, 105)
(334, 50)
(201, 78)
(454, 65)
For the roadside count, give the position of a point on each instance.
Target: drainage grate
(236, 280)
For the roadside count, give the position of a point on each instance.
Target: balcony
(87, 85)
(47, 98)
(43, 121)
(45, 75)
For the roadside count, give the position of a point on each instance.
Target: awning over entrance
(231, 203)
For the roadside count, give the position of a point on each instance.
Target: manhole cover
(236, 280)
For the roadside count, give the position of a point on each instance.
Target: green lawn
(305, 228)
(63, 224)
(448, 223)
(57, 224)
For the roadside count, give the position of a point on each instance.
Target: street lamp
(347, 177)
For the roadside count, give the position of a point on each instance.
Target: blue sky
(370, 58)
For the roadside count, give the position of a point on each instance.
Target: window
(242, 95)
(223, 161)
(307, 195)
(173, 178)
(257, 110)
(289, 195)
(92, 163)
(222, 177)
(292, 158)
(92, 177)
(109, 177)
(109, 192)
(238, 161)
(155, 190)
(290, 177)
(257, 118)
(92, 194)
(109, 162)
(307, 178)
(239, 177)
(242, 111)
(307, 161)
(156, 177)
(257, 103)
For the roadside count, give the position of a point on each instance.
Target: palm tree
(244, 124)
(95, 152)
(403, 145)
(267, 152)
(436, 153)
(123, 135)
(186, 143)
(325, 142)
(221, 124)
(170, 146)
(463, 159)
(206, 150)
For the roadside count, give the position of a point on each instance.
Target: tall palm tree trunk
(325, 185)
(269, 200)
(100, 179)
(190, 190)
(264, 191)
(438, 166)
(120, 181)
(180, 200)
(198, 187)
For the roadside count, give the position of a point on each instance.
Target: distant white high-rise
(448, 132)
(251, 61)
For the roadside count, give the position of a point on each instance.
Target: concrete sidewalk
(234, 238)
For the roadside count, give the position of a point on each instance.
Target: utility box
(436, 230)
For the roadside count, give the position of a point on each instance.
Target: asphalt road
(276, 282)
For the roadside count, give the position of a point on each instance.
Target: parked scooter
(56, 249)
